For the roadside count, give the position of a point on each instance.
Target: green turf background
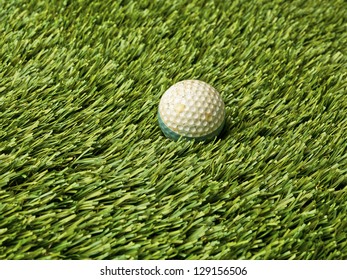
(85, 172)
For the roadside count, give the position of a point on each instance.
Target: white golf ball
(192, 109)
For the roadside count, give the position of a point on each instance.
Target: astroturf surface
(85, 172)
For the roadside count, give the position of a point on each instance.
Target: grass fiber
(85, 172)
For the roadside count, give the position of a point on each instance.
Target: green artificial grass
(86, 173)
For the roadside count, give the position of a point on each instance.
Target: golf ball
(192, 109)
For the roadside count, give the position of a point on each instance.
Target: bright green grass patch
(85, 172)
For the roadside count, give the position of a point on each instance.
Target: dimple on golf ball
(192, 109)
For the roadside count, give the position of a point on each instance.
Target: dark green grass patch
(85, 172)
